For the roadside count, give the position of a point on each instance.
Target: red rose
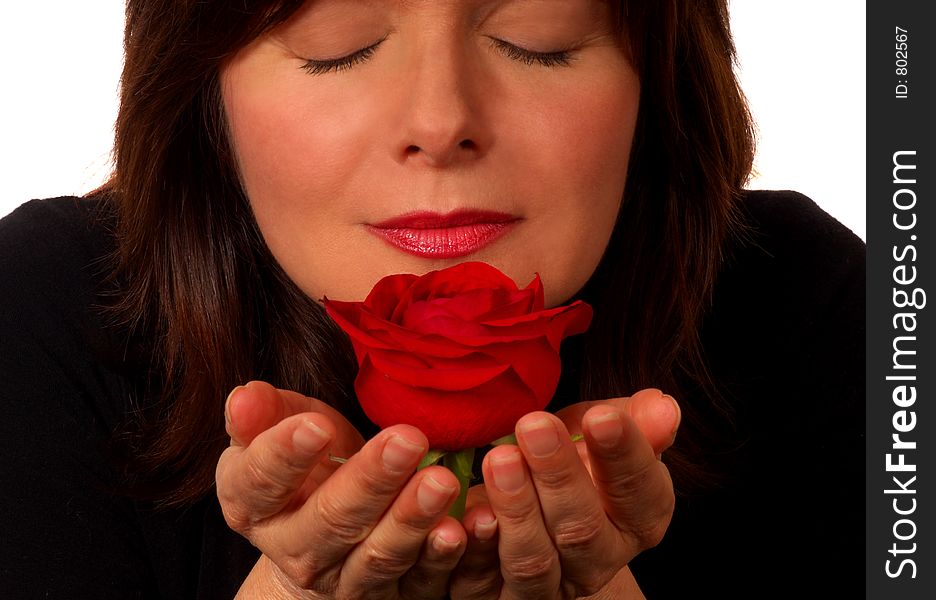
(460, 353)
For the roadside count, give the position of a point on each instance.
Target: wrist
(622, 587)
(267, 581)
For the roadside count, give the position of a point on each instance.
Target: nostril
(412, 149)
(467, 145)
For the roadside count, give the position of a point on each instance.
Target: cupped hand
(369, 528)
(560, 519)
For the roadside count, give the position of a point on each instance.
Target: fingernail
(309, 437)
(228, 402)
(605, 427)
(400, 454)
(676, 415)
(485, 528)
(507, 469)
(444, 545)
(432, 496)
(540, 437)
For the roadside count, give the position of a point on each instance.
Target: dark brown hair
(211, 308)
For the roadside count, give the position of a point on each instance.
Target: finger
(430, 577)
(394, 546)
(259, 481)
(477, 496)
(635, 486)
(590, 547)
(529, 561)
(255, 407)
(656, 414)
(478, 573)
(311, 544)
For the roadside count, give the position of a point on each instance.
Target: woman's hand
(557, 519)
(365, 529)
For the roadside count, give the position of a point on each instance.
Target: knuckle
(531, 569)
(236, 517)
(371, 481)
(302, 572)
(261, 480)
(408, 522)
(279, 460)
(575, 536)
(654, 535)
(654, 529)
(561, 478)
(342, 527)
(627, 488)
(518, 514)
(642, 505)
(474, 588)
(649, 531)
(381, 565)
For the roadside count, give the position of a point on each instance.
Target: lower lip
(443, 242)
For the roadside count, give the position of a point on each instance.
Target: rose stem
(460, 463)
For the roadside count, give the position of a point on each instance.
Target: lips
(452, 235)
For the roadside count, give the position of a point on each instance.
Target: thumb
(656, 414)
(253, 408)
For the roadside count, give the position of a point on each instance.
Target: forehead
(322, 8)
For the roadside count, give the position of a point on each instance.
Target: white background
(802, 68)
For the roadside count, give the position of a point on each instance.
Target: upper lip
(433, 220)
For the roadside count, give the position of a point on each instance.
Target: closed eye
(559, 58)
(315, 66)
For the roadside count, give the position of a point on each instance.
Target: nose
(442, 113)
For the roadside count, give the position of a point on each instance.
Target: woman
(263, 151)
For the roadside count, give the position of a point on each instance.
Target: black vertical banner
(901, 384)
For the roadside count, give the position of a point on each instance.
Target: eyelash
(561, 58)
(334, 65)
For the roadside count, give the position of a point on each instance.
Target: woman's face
(401, 136)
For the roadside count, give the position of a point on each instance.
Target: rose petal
(533, 360)
(451, 282)
(460, 378)
(384, 296)
(348, 316)
(560, 323)
(539, 295)
(554, 324)
(446, 326)
(521, 304)
(451, 420)
(473, 306)
(412, 341)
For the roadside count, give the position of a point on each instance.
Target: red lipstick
(452, 235)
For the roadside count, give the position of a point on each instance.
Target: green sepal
(512, 439)
(460, 463)
(432, 457)
(507, 439)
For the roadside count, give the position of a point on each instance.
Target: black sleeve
(65, 533)
(71, 529)
(785, 345)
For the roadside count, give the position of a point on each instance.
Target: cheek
(586, 159)
(297, 156)
(593, 146)
(293, 162)
(284, 151)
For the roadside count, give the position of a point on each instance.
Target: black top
(785, 342)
